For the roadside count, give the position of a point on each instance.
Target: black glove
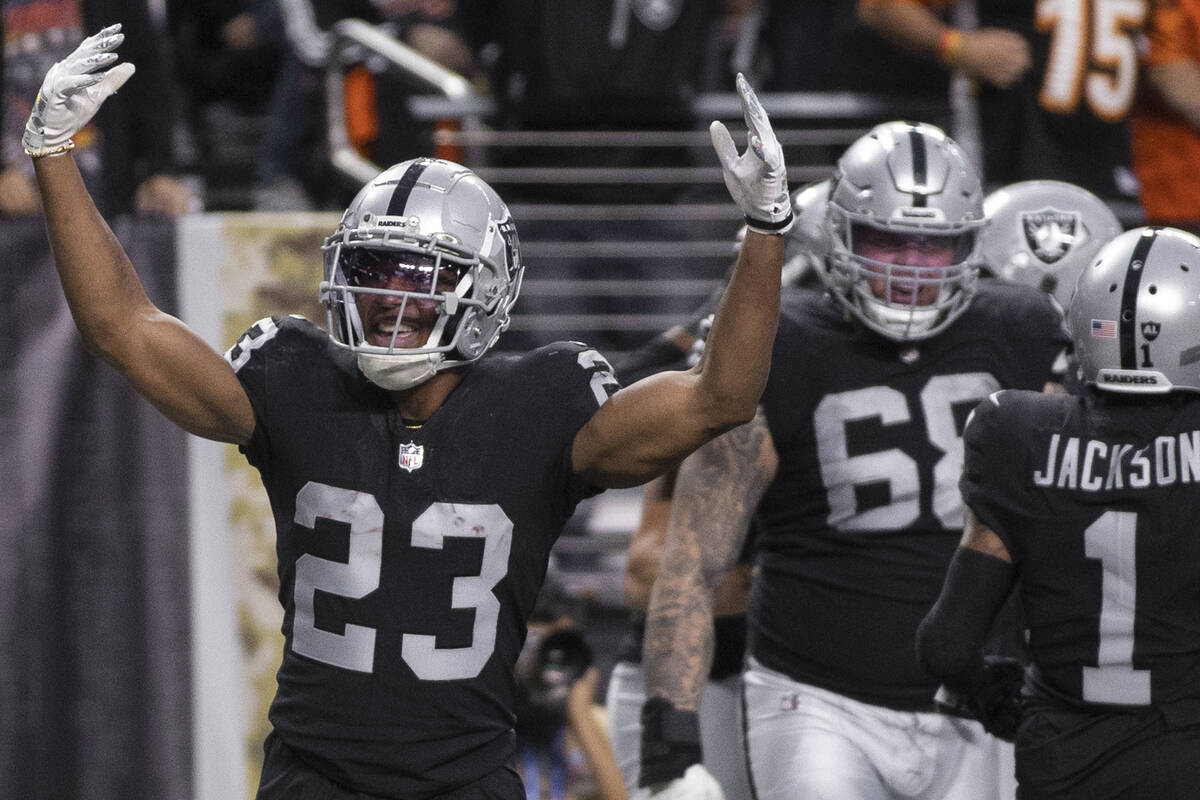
(989, 692)
(670, 742)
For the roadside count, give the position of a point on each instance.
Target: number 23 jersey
(409, 557)
(859, 524)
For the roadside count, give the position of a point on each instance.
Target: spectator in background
(294, 169)
(1053, 103)
(1166, 121)
(217, 44)
(582, 65)
(563, 752)
(125, 154)
(822, 45)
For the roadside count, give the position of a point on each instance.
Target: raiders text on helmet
(441, 216)
(1135, 315)
(1043, 233)
(910, 179)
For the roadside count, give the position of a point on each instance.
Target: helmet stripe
(1127, 322)
(917, 141)
(404, 187)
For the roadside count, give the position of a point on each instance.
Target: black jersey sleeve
(1032, 322)
(567, 382)
(249, 362)
(993, 462)
(1047, 325)
(276, 359)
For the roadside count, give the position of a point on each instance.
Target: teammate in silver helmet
(849, 471)
(1087, 502)
(1044, 233)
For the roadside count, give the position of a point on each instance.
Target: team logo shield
(412, 456)
(1050, 233)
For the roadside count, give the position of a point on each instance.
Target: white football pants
(810, 744)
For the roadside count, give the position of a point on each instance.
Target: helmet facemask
(904, 213)
(920, 280)
(469, 298)
(423, 285)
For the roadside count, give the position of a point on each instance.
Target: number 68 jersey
(1097, 500)
(858, 525)
(409, 557)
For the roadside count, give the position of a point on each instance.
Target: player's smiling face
(919, 262)
(395, 271)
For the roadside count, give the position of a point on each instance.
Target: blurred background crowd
(277, 104)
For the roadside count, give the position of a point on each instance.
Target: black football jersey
(409, 557)
(858, 527)
(1068, 117)
(1097, 500)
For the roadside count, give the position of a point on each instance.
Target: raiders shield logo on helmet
(1050, 233)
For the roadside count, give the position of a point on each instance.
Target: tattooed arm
(716, 492)
(715, 495)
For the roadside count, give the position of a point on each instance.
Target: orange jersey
(1166, 149)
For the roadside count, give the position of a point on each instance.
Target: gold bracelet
(52, 151)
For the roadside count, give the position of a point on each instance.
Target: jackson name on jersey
(1093, 465)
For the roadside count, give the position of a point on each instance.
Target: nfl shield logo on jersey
(412, 456)
(1050, 233)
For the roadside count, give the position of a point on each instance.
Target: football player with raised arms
(1091, 501)
(417, 479)
(851, 468)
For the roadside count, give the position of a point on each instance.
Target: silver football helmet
(1135, 316)
(904, 181)
(1044, 233)
(425, 231)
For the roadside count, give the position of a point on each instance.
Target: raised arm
(1169, 68)
(995, 55)
(168, 364)
(648, 427)
(717, 491)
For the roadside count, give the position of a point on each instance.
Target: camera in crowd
(549, 664)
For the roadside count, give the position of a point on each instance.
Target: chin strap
(395, 373)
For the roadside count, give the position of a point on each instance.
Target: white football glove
(72, 92)
(757, 179)
(697, 783)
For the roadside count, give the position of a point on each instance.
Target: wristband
(670, 742)
(949, 46)
(49, 151)
(771, 228)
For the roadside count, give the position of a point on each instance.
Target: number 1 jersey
(1097, 500)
